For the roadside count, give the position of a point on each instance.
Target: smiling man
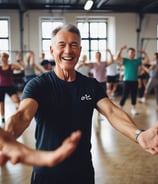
(62, 101)
(66, 51)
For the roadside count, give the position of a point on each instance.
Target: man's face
(131, 54)
(66, 50)
(98, 56)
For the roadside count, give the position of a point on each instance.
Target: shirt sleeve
(33, 89)
(100, 92)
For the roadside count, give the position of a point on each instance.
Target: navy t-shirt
(64, 107)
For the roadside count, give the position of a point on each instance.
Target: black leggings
(129, 87)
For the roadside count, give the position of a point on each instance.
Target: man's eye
(74, 45)
(61, 45)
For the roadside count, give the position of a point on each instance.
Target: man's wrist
(137, 133)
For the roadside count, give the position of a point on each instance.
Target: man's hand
(148, 140)
(123, 47)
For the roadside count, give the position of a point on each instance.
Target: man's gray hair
(68, 27)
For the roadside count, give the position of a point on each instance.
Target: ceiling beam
(101, 3)
(150, 6)
(22, 5)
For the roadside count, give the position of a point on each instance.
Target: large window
(94, 36)
(4, 34)
(47, 25)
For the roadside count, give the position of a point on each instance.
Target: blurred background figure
(45, 63)
(130, 80)
(7, 85)
(82, 68)
(31, 68)
(112, 79)
(99, 67)
(153, 79)
(143, 78)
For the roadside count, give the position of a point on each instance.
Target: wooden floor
(117, 160)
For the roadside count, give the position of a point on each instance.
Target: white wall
(122, 29)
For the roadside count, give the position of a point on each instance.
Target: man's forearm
(122, 122)
(16, 125)
(17, 152)
(119, 53)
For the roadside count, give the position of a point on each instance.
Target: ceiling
(133, 6)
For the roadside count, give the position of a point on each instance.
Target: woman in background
(30, 66)
(7, 85)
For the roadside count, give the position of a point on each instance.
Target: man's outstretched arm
(17, 152)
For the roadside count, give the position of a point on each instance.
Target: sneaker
(134, 112)
(112, 97)
(139, 100)
(143, 100)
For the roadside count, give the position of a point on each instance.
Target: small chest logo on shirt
(86, 97)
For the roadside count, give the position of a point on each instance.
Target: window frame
(52, 20)
(8, 49)
(91, 39)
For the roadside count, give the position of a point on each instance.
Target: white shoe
(134, 112)
(143, 100)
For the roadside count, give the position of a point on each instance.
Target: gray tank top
(29, 70)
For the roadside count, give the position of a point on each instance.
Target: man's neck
(68, 76)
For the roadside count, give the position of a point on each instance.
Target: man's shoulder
(43, 78)
(86, 80)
